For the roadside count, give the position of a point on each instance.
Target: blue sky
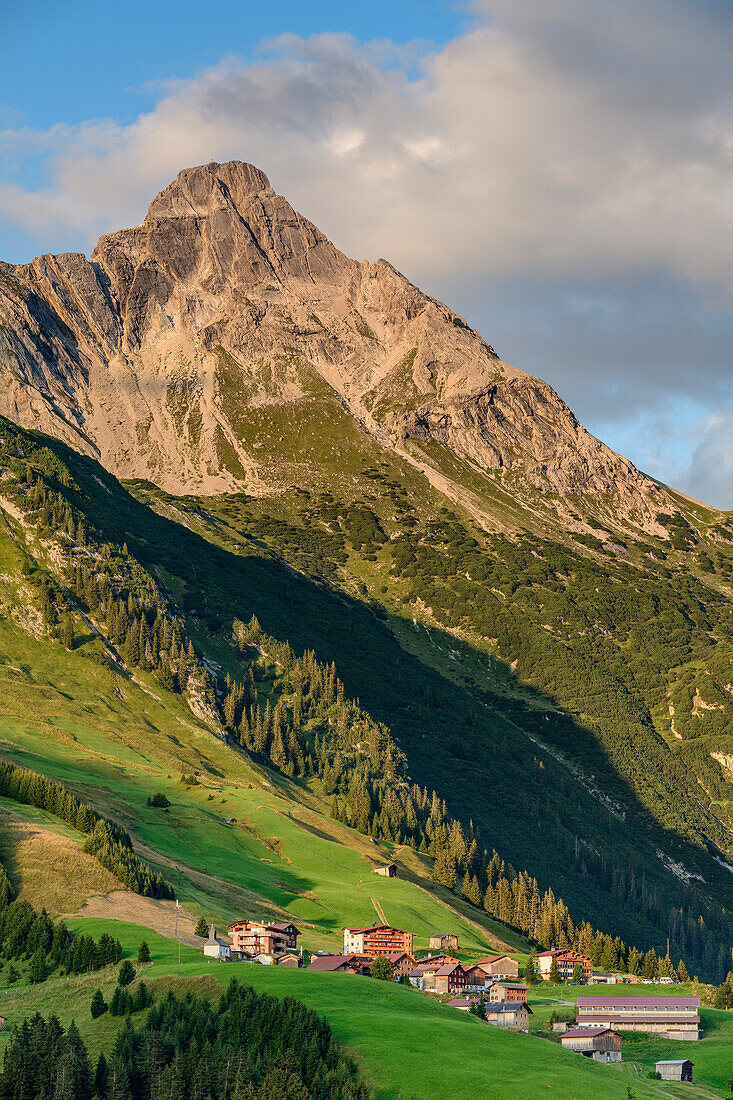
(90, 59)
(557, 170)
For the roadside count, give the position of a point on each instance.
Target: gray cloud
(560, 172)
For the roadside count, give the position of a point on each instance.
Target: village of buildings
(490, 986)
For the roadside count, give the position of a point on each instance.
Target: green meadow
(407, 1043)
(240, 839)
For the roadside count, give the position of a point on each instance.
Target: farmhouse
(448, 979)
(500, 966)
(437, 960)
(444, 941)
(509, 1014)
(477, 978)
(253, 938)
(672, 1017)
(422, 974)
(566, 963)
(680, 1070)
(337, 964)
(379, 939)
(463, 1004)
(290, 958)
(290, 932)
(402, 963)
(389, 870)
(217, 948)
(602, 1044)
(508, 991)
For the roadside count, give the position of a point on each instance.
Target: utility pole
(179, 942)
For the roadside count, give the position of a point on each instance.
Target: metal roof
(638, 1002)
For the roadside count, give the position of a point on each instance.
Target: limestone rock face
(154, 354)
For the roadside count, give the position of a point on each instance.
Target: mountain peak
(205, 187)
(225, 305)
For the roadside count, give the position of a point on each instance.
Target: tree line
(250, 1046)
(106, 840)
(47, 945)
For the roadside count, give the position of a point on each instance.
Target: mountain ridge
(225, 299)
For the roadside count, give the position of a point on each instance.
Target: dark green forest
(249, 1047)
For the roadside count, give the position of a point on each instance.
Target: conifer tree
(98, 1005)
(531, 977)
(126, 973)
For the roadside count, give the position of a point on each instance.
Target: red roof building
(341, 964)
(379, 939)
(447, 979)
(672, 1017)
(567, 960)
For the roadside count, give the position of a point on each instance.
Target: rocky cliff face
(154, 354)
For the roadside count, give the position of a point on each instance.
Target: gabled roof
(395, 956)
(585, 1032)
(638, 1002)
(279, 927)
(493, 959)
(510, 985)
(506, 1006)
(215, 940)
(331, 962)
(674, 1062)
(376, 928)
(444, 971)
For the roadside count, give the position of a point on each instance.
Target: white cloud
(710, 476)
(560, 136)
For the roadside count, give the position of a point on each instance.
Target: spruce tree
(202, 928)
(531, 977)
(98, 1005)
(101, 1076)
(126, 973)
(143, 952)
(38, 971)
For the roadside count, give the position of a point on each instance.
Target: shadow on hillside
(471, 746)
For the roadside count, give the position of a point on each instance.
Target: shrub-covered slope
(560, 764)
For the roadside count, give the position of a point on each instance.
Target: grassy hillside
(241, 837)
(543, 782)
(116, 743)
(429, 1050)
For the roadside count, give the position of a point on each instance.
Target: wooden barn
(444, 941)
(389, 870)
(509, 1014)
(602, 1044)
(678, 1070)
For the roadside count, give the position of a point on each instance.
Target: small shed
(602, 1044)
(444, 941)
(680, 1069)
(290, 958)
(389, 870)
